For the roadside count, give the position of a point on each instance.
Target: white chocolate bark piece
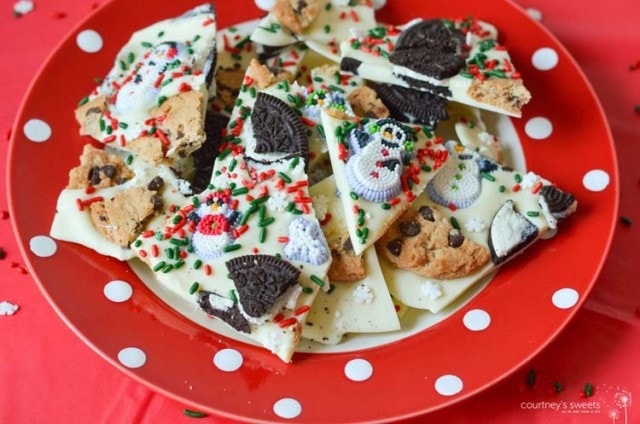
(486, 79)
(380, 167)
(472, 133)
(333, 23)
(73, 219)
(362, 306)
(506, 211)
(250, 211)
(153, 100)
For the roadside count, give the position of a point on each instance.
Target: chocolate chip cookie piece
(98, 169)
(296, 15)
(346, 266)
(424, 241)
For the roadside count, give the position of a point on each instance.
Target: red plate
(521, 310)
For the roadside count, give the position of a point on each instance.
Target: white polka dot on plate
(538, 128)
(265, 4)
(287, 408)
(565, 298)
(596, 180)
(132, 357)
(89, 41)
(448, 385)
(37, 130)
(228, 360)
(477, 320)
(534, 14)
(43, 246)
(118, 291)
(544, 59)
(358, 370)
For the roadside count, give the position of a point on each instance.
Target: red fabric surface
(47, 374)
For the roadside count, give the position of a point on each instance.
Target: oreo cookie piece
(261, 280)
(224, 309)
(430, 48)
(510, 232)
(348, 64)
(277, 127)
(205, 156)
(559, 203)
(411, 105)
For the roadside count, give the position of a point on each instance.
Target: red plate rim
(265, 379)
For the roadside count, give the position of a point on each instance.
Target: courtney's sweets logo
(565, 406)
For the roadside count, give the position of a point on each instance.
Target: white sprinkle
(7, 308)
(363, 294)
(475, 225)
(432, 290)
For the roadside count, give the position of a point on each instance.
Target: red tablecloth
(47, 374)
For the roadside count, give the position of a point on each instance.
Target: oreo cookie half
(560, 203)
(224, 309)
(509, 233)
(277, 127)
(260, 281)
(411, 105)
(430, 48)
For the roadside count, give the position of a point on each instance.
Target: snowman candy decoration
(379, 152)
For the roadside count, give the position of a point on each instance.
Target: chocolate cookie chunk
(426, 243)
(224, 309)
(260, 281)
(205, 156)
(559, 203)
(350, 65)
(411, 105)
(430, 48)
(277, 127)
(510, 232)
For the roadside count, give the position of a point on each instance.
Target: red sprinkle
(79, 205)
(154, 250)
(287, 322)
(536, 187)
(516, 188)
(207, 269)
(208, 22)
(142, 253)
(163, 137)
(301, 310)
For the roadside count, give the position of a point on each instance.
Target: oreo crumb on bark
(412, 105)
(277, 127)
(156, 184)
(260, 280)
(430, 48)
(350, 65)
(230, 315)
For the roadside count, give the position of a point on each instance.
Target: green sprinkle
(291, 206)
(285, 177)
(252, 92)
(263, 234)
(159, 266)
(159, 236)
(238, 102)
(195, 201)
(239, 191)
(109, 129)
(224, 153)
(137, 243)
(193, 414)
(426, 131)
(425, 168)
(102, 125)
(557, 386)
(502, 189)
(166, 82)
(161, 100)
(454, 223)
(131, 57)
(178, 264)
(232, 164)
(129, 159)
(333, 87)
(176, 219)
(364, 235)
(169, 252)
(146, 44)
(294, 162)
(321, 131)
(82, 101)
(318, 79)
(296, 212)
(123, 125)
(178, 242)
(260, 200)
(533, 213)
(160, 34)
(123, 66)
(317, 280)
(385, 206)
(354, 195)
(531, 378)
(487, 176)
(231, 248)
(588, 390)
(466, 75)
(194, 287)
(233, 296)
(518, 178)
(197, 264)
(328, 6)
(262, 212)
(245, 217)
(307, 290)
(497, 73)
